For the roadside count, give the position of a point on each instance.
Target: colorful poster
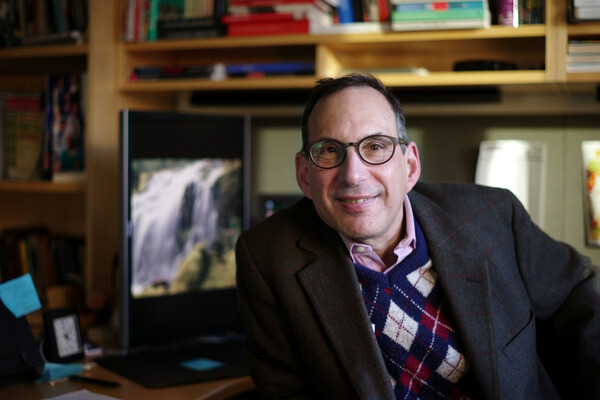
(590, 151)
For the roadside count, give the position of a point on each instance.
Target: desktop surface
(239, 387)
(197, 362)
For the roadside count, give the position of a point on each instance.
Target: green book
(430, 15)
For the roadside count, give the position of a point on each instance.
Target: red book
(268, 28)
(384, 10)
(258, 17)
(270, 3)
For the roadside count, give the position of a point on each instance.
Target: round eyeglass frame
(395, 140)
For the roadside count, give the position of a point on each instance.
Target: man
(378, 287)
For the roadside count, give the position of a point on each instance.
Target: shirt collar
(363, 254)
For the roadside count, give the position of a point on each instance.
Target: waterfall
(178, 207)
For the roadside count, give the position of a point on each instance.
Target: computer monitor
(184, 199)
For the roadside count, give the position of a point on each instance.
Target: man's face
(361, 201)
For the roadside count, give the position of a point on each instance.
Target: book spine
(153, 8)
(345, 12)
(260, 17)
(430, 15)
(439, 6)
(438, 24)
(587, 13)
(270, 69)
(23, 129)
(384, 10)
(508, 12)
(268, 28)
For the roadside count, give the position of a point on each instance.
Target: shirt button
(361, 249)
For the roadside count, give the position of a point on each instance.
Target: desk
(129, 390)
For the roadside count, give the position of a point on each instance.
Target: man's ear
(302, 173)
(413, 165)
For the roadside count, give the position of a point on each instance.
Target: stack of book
(149, 20)
(51, 259)
(583, 56)
(433, 14)
(221, 71)
(44, 140)
(362, 11)
(276, 17)
(35, 22)
(584, 10)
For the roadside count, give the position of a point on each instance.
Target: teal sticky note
(202, 364)
(54, 371)
(19, 296)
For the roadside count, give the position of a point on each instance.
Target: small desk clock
(64, 342)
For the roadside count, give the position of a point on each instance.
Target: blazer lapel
(332, 288)
(466, 288)
(464, 281)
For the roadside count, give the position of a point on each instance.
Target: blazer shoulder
(457, 196)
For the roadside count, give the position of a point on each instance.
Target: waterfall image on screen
(186, 216)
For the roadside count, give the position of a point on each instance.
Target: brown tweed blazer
(527, 308)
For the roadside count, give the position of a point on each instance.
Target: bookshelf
(61, 207)
(109, 63)
(437, 51)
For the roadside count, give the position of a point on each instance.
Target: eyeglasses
(373, 150)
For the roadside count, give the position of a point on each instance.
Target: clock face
(68, 340)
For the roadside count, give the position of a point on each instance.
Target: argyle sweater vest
(411, 323)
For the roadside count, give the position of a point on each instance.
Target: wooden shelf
(587, 28)
(295, 40)
(437, 51)
(229, 84)
(49, 51)
(41, 187)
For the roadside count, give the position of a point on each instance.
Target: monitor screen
(184, 201)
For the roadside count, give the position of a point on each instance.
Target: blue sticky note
(54, 371)
(19, 296)
(202, 364)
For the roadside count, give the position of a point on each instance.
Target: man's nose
(353, 169)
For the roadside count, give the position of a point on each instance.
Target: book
(317, 12)
(285, 6)
(583, 46)
(261, 17)
(587, 13)
(350, 28)
(190, 28)
(65, 128)
(173, 72)
(23, 131)
(449, 14)
(411, 14)
(176, 19)
(270, 69)
(471, 23)
(346, 12)
(52, 21)
(532, 12)
(583, 57)
(383, 6)
(13, 250)
(583, 67)
(508, 13)
(50, 258)
(269, 28)
(441, 6)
